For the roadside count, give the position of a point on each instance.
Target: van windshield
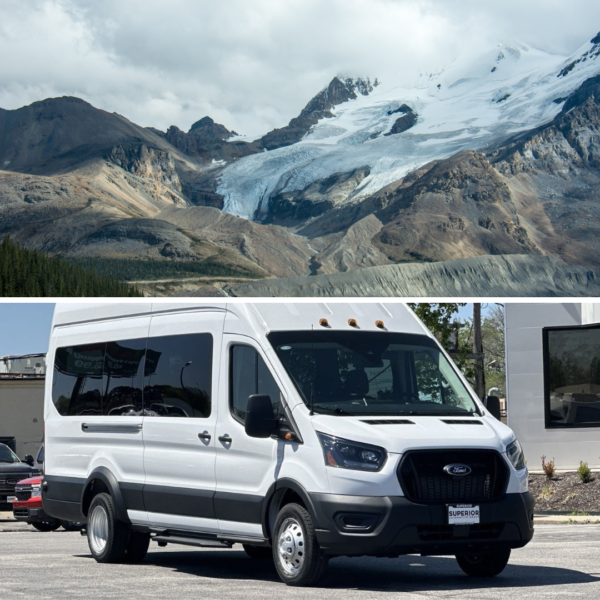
(370, 373)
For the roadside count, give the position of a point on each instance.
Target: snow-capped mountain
(476, 103)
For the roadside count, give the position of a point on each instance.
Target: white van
(303, 431)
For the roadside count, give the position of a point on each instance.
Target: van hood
(399, 434)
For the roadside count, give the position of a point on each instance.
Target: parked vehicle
(12, 470)
(27, 506)
(302, 431)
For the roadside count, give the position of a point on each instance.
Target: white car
(303, 431)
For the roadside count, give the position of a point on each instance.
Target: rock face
(338, 91)
(291, 208)
(205, 140)
(485, 276)
(406, 120)
(42, 131)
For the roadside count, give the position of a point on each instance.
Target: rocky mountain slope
(494, 155)
(484, 276)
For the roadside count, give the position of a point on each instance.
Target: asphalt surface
(563, 561)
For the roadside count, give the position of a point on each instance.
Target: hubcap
(291, 546)
(98, 530)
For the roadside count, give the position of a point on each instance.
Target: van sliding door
(180, 391)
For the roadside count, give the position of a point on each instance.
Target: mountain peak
(204, 122)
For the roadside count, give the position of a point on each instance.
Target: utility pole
(478, 352)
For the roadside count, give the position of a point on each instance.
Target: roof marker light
(379, 324)
(352, 323)
(323, 322)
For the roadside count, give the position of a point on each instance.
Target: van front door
(246, 467)
(180, 387)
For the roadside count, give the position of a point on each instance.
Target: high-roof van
(303, 431)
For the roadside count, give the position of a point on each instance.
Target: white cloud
(250, 65)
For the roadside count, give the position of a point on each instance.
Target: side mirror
(29, 460)
(492, 403)
(260, 422)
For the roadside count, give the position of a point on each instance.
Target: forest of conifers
(31, 273)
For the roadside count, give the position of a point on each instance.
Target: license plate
(11, 499)
(463, 514)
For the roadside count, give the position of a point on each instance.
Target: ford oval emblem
(457, 470)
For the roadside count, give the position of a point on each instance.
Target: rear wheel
(46, 526)
(483, 565)
(108, 537)
(298, 558)
(258, 552)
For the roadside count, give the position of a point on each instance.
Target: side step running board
(189, 541)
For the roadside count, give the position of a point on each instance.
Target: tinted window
(572, 368)
(250, 375)
(78, 384)
(364, 373)
(178, 376)
(99, 379)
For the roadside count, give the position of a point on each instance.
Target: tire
(46, 526)
(137, 548)
(483, 565)
(258, 552)
(108, 537)
(298, 559)
(71, 525)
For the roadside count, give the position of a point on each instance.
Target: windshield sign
(371, 373)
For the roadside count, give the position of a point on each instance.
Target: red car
(27, 506)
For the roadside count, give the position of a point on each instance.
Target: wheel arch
(282, 492)
(102, 480)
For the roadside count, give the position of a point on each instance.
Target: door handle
(225, 439)
(205, 436)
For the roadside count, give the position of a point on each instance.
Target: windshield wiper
(337, 411)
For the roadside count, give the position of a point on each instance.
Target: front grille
(422, 477)
(444, 533)
(23, 492)
(8, 482)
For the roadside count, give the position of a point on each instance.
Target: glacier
(475, 103)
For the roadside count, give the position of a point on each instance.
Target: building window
(572, 377)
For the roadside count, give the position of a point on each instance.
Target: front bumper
(30, 514)
(393, 525)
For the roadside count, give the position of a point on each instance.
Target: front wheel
(298, 558)
(483, 565)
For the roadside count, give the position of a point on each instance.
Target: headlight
(515, 455)
(351, 455)
(36, 491)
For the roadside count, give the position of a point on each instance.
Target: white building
(22, 402)
(553, 381)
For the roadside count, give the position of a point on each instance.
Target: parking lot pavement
(562, 561)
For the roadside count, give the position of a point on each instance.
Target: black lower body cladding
(389, 526)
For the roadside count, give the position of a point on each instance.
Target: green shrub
(584, 472)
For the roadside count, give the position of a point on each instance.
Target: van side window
(178, 376)
(99, 379)
(249, 375)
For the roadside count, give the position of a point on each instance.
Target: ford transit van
(303, 431)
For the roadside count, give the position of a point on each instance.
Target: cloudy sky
(251, 64)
